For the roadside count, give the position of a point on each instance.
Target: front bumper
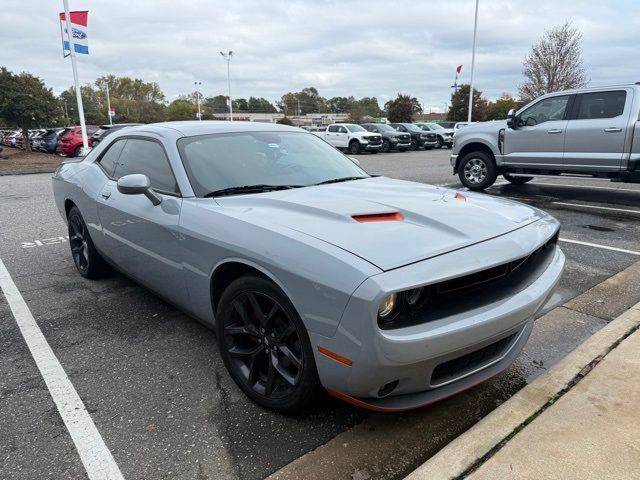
(372, 147)
(411, 355)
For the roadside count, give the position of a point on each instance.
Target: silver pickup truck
(591, 132)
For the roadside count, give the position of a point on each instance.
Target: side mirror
(137, 184)
(511, 119)
(354, 160)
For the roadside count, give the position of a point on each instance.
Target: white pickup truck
(351, 137)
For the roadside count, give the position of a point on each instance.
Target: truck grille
(374, 139)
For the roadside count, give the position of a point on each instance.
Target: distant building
(309, 119)
(430, 117)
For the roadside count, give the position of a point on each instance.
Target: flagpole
(109, 105)
(74, 66)
(473, 63)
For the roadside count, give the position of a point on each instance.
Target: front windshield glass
(413, 128)
(219, 161)
(354, 128)
(383, 127)
(435, 126)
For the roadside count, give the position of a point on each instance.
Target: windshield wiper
(248, 189)
(338, 180)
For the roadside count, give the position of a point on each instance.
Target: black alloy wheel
(386, 146)
(87, 260)
(264, 345)
(516, 180)
(440, 143)
(414, 145)
(354, 147)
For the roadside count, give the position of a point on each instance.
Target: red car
(70, 141)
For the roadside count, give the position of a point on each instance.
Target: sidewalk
(592, 432)
(572, 423)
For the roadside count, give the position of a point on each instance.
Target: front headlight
(387, 307)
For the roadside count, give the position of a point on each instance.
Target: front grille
(374, 139)
(431, 136)
(405, 137)
(457, 295)
(471, 361)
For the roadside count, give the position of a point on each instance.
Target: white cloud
(348, 47)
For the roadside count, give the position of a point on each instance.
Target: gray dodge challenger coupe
(389, 294)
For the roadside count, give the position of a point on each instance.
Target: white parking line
(94, 454)
(595, 245)
(587, 186)
(596, 207)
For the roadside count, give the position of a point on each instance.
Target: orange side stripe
(335, 356)
(378, 217)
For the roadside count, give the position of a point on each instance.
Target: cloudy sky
(342, 47)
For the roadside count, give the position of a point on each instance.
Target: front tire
(354, 147)
(516, 180)
(477, 171)
(414, 145)
(439, 143)
(265, 345)
(386, 146)
(86, 258)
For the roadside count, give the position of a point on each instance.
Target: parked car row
(384, 137)
(61, 141)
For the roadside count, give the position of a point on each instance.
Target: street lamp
(227, 56)
(198, 84)
(473, 62)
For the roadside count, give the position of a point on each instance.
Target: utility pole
(227, 57)
(109, 105)
(74, 67)
(197, 84)
(473, 62)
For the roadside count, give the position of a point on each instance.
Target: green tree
(308, 100)
(134, 99)
(25, 102)
(240, 105)
(181, 109)
(498, 110)
(261, 105)
(285, 121)
(460, 106)
(402, 108)
(341, 104)
(365, 107)
(217, 104)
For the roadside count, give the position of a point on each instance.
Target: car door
(597, 130)
(139, 237)
(538, 140)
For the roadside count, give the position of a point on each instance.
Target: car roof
(205, 127)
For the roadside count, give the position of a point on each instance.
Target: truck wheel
(477, 171)
(386, 146)
(354, 147)
(414, 145)
(440, 143)
(516, 180)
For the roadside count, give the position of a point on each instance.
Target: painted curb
(465, 451)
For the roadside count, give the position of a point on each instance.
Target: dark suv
(419, 138)
(392, 139)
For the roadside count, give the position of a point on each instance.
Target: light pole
(227, 56)
(109, 105)
(473, 62)
(198, 84)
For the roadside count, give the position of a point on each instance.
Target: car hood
(434, 220)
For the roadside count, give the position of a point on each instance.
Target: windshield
(413, 128)
(219, 161)
(383, 127)
(353, 127)
(435, 126)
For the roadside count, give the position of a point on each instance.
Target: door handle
(105, 194)
(554, 131)
(612, 130)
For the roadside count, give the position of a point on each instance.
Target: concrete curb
(471, 448)
(27, 172)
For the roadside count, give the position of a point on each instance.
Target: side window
(110, 157)
(147, 157)
(544, 111)
(601, 105)
(402, 128)
(334, 128)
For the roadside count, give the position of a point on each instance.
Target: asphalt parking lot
(155, 386)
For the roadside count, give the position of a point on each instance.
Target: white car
(351, 137)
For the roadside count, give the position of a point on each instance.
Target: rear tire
(77, 151)
(354, 147)
(477, 171)
(265, 345)
(516, 180)
(86, 258)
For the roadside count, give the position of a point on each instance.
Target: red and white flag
(79, 22)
